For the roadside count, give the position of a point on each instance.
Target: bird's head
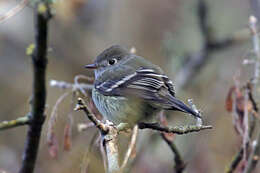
(108, 58)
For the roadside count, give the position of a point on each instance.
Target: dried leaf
(229, 99)
(67, 138)
(53, 145)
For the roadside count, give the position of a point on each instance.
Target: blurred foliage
(163, 32)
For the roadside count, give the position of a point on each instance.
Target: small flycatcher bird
(130, 89)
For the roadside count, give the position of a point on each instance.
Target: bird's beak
(91, 66)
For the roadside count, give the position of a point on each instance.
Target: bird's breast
(120, 109)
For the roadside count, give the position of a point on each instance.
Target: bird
(130, 89)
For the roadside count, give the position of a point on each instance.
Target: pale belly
(120, 109)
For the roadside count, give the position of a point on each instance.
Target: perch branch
(82, 106)
(14, 123)
(39, 61)
(179, 163)
(110, 137)
(176, 130)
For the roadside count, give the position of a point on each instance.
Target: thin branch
(84, 126)
(110, 137)
(14, 11)
(255, 40)
(21, 121)
(179, 163)
(66, 85)
(39, 60)
(253, 160)
(254, 157)
(130, 147)
(176, 130)
(110, 143)
(82, 106)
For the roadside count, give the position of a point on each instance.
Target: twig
(110, 137)
(110, 143)
(82, 106)
(14, 11)
(255, 40)
(14, 123)
(84, 126)
(254, 157)
(66, 85)
(176, 130)
(39, 59)
(130, 147)
(179, 163)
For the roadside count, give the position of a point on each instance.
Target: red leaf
(229, 99)
(67, 137)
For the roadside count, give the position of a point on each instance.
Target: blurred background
(166, 32)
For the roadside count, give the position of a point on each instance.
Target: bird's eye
(112, 61)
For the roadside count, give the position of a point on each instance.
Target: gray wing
(144, 83)
(149, 85)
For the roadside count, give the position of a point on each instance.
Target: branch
(110, 137)
(73, 86)
(176, 130)
(253, 158)
(197, 60)
(14, 11)
(14, 123)
(179, 163)
(39, 60)
(82, 106)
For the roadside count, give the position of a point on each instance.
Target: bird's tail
(180, 106)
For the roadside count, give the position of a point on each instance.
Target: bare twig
(176, 130)
(255, 40)
(179, 163)
(14, 123)
(130, 147)
(66, 85)
(82, 106)
(253, 158)
(39, 59)
(14, 11)
(85, 126)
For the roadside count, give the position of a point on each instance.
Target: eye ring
(112, 61)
